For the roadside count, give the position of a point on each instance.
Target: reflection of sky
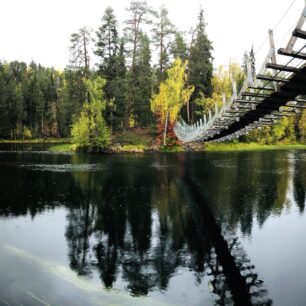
(281, 259)
(276, 248)
(35, 266)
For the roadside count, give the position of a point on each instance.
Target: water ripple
(64, 167)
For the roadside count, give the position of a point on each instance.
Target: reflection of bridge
(277, 91)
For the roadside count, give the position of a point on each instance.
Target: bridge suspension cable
(276, 26)
(261, 101)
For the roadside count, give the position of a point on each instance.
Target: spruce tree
(139, 15)
(200, 64)
(253, 62)
(245, 60)
(162, 36)
(80, 50)
(142, 111)
(111, 67)
(179, 47)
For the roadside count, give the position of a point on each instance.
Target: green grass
(173, 149)
(36, 140)
(225, 147)
(133, 148)
(131, 138)
(62, 148)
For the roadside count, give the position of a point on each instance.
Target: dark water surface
(183, 229)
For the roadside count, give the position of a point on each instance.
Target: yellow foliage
(222, 84)
(173, 93)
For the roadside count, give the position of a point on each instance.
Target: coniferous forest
(126, 84)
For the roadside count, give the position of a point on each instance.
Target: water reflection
(140, 219)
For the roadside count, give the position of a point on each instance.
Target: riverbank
(220, 147)
(37, 141)
(117, 149)
(144, 141)
(229, 147)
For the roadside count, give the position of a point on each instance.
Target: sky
(40, 30)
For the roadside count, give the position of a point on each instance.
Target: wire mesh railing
(253, 91)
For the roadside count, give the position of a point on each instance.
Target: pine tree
(72, 95)
(162, 36)
(139, 15)
(112, 67)
(179, 47)
(253, 62)
(107, 42)
(200, 64)
(142, 112)
(245, 61)
(80, 50)
(119, 89)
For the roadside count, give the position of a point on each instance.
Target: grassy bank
(227, 147)
(216, 147)
(36, 141)
(66, 147)
(119, 149)
(144, 141)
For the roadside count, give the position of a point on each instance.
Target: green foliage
(200, 64)
(143, 84)
(80, 50)
(226, 147)
(301, 126)
(221, 85)
(139, 15)
(132, 138)
(72, 94)
(90, 130)
(172, 149)
(284, 130)
(134, 148)
(162, 36)
(179, 47)
(28, 101)
(111, 54)
(61, 148)
(39, 102)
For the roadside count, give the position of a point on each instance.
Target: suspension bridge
(278, 90)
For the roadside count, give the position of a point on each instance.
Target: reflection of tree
(242, 187)
(234, 280)
(79, 230)
(140, 222)
(299, 180)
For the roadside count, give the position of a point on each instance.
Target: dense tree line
(42, 102)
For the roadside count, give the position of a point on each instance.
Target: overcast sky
(40, 29)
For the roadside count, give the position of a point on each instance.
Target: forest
(144, 78)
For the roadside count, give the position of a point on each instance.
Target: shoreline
(65, 145)
(236, 147)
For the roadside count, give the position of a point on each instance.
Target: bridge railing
(218, 120)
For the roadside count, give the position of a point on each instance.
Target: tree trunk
(86, 58)
(165, 129)
(188, 112)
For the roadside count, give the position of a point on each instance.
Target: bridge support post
(273, 56)
(250, 75)
(299, 26)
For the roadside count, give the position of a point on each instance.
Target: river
(156, 229)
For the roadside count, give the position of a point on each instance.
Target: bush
(90, 131)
